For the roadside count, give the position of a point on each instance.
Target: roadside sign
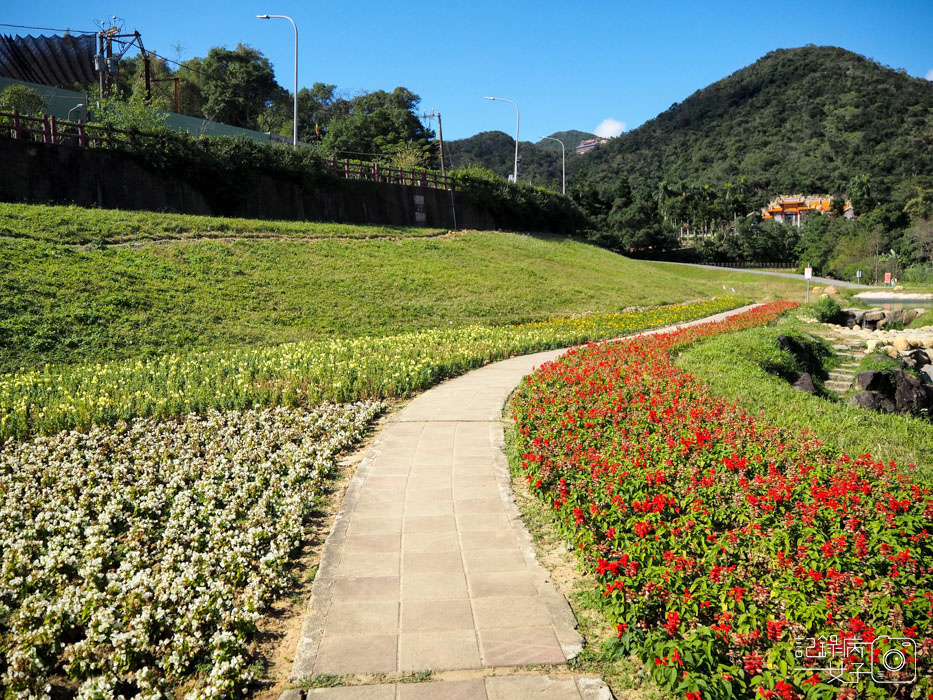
(887, 278)
(808, 273)
(858, 273)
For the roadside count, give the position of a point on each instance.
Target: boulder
(901, 343)
(873, 316)
(831, 291)
(910, 396)
(800, 351)
(874, 380)
(804, 383)
(872, 401)
(926, 374)
(892, 352)
(871, 344)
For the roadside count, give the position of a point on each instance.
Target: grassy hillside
(808, 119)
(59, 224)
(67, 303)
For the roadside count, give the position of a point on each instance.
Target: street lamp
(502, 99)
(77, 106)
(295, 115)
(563, 164)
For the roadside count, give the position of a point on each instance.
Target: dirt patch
(280, 627)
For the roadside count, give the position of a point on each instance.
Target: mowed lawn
(64, 303)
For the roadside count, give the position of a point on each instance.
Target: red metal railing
(377, 172)
(50, 130)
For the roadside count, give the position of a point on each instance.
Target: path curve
(429, 565)
(789, 275)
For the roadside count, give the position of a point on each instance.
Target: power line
(46, 29)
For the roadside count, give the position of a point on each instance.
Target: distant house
(589, 144)
(794, 207)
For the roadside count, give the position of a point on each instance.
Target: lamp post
(563, 164)
(295, 115)
(502, 99)
(77, 106)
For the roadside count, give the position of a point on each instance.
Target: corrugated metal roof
(61, 61)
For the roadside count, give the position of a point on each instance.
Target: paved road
(816, 280)
(430, 567)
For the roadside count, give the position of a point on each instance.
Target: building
(794, 207)
(589, 144)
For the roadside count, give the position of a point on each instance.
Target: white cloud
(929, 75)
(609, 128)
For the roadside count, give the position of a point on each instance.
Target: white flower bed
(136, 560)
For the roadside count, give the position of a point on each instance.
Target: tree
(21, 98)
(318, 107)
(377, 123)
(238, 86)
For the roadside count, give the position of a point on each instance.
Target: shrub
(826, 309)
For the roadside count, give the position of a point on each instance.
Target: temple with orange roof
(794, 207)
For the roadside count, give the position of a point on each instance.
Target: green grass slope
(68, 303)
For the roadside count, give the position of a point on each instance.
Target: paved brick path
(429, 566)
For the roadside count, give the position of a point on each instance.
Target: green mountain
(810, 119)
(571, 139)
(540, 165)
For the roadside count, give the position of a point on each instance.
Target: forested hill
(809, 119)
(495, 151)
(539, 163)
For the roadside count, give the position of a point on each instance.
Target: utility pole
(440, 136)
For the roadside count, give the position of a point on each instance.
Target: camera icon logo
(894, 660)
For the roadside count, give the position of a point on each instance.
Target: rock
(804, 383)
(856, 327)
(873, 316)
(800, 351)
(898, 288)
(929, 353)
(831, 291)
(928, 341)
(926, 374)
(892, 352)
(872, 401)
(874, 380)
(910, 396)
(908, 315)
(816, 290)
(871, 344)
(916, 358)
(901, 343)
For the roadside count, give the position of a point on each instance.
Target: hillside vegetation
(66, 303)
(808, 119)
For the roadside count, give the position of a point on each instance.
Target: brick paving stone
(520, 646)
(440, 651)
(434, 586)
(432, 562)
(342, 654)
(371, 564)
(498, 613)
(356, 692)
(364, 589)
(435, 615)
(376, 617)
(501, 584)
(529, 687)
(493, 560)
(474, 689)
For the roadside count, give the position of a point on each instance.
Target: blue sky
(567, 65)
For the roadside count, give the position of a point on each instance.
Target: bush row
(731, 554)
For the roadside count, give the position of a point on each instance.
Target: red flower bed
(726, 547)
